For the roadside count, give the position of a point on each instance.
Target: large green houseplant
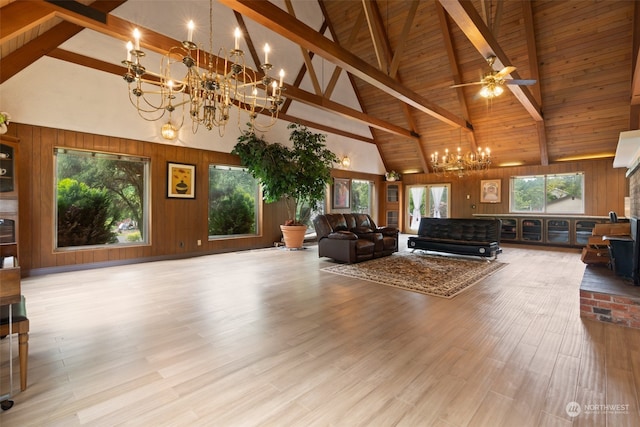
(298, 174)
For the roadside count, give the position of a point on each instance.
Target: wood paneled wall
(176, 224)
(605, 187)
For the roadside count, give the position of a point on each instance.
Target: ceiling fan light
(491, 91)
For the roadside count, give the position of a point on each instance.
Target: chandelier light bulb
(267, 49)
(129, 49)
(236, 37)
(190, 27)
(136, 38)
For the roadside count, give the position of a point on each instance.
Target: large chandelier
(460, 164)
(194, 82)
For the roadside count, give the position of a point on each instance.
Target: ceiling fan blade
(467, 84)
(520, 82)
(505, 72)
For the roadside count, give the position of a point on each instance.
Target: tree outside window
(233, 202)
(559, 193)
(101, 199)
(361, 196)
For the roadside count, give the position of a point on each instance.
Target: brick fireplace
(606, 297)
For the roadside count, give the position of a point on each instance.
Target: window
(101, 199)
(234, 197)
(557, 194)
(361, 192)
(427, 201)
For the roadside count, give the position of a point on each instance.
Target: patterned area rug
(441, 276)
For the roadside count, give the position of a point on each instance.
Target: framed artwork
(181, 181)
(490, 190)
(341, 193)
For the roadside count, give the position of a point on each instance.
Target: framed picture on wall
(490, 191)
(341, 193)
(181, 181)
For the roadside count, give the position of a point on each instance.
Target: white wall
(58, 94)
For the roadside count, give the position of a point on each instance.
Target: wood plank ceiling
(401, 58)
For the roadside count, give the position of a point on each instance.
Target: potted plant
(392, 176)
(5, 119)
(299, 174)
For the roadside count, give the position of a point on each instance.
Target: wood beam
(21, 16)
(635, 60)
(120, 28)
(378, 36)
(455, 70)
(467, 18)
(375, 21)
(534, 71)
(100, 65)
(306, 57)
(352, 38)
(45, 43)
(408, 23)
(277, 20)
(349, 113)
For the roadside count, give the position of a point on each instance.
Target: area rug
(441, 276)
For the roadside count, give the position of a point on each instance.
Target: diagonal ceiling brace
(468, 19)
(277, 20)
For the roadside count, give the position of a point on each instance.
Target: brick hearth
(606, 297)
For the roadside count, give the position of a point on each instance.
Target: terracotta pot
(293, 235)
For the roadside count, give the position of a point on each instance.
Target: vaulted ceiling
(380, 71)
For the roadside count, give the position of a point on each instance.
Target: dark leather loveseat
(353, 237)
(473, 236)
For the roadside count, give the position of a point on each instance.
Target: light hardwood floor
(266, 338)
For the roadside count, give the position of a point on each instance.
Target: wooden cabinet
(392, 204)
(558, 231)
(9, 267)
(509, 229)
(546, 229)
(532, 230)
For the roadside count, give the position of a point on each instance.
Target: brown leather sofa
(353, 237)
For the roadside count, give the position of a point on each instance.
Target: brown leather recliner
(353, 237)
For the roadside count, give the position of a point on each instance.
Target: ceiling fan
(493, 80)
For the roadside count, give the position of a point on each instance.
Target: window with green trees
(559, 193)
(233, 202)
(361, 196)
(101, 199)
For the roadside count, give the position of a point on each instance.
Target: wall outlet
(199, 242)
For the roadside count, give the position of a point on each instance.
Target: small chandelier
(206, 87)
(461, 164)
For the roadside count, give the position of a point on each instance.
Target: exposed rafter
(306, 57)
(120, 28)
(277, 20)
(380, 36)
(99, 65)
(467, 18)
(45, 43)
(455, 71)
(535, 74)
(634, 116)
